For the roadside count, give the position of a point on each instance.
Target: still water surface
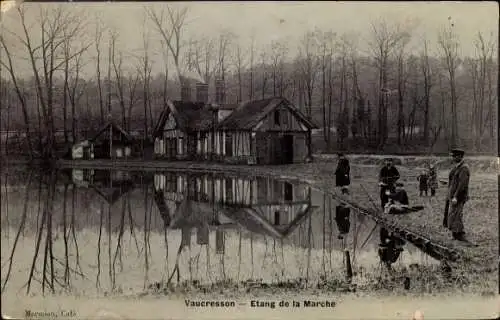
(94, 231)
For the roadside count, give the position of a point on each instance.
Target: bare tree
(263, 72)
(240, 65)
(224, 46)
(278, 55)
(427, 77)
(75, 93)
(57, 28)
(132, 81)
(97, 43)
(251, 67)
(385, 39)
(145, 72)
(202, 57)
(308, 64)
(449, 46)
(481, 85)
(342, 119)
(9, 65)
(401, 81)
(119, 77)
(170, 26)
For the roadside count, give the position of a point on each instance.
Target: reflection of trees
(19, 231)
(49, 274)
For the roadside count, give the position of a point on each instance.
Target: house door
(287, 149)
(229, 145)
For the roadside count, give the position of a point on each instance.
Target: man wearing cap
(458, 195)
(387, 178)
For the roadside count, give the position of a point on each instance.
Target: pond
(90, 232)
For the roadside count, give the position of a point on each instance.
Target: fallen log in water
(424, 243)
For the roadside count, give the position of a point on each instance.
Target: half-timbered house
(268, 131)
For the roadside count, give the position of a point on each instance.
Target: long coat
(458, 183)
(458, 187)
(343, 173)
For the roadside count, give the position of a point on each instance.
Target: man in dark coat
(387, 178)
(343, 172)
(458, 195)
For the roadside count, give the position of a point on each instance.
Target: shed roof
(116, 128)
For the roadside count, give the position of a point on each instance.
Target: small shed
(110, 142)
(267, 131)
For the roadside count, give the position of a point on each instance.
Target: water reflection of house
(205, 201)
(110, 185)
(268, 131)
(111, 141)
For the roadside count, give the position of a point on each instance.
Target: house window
(171, 183)
(229, 145)
(277, 120)
(288, 191)
(229, 190)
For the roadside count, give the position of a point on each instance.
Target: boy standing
(423, 183)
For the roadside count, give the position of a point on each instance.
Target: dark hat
(389, 159)
(457, 151)
(340, 154)
(399, 184)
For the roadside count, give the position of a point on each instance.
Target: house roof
(247, 115)
(116, 128)
(195, 116)
(188, 115)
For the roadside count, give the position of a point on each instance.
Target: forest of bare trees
(393, 96)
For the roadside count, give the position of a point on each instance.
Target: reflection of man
(387, 177)
(390, 247)
(342, 214)
(458, 195)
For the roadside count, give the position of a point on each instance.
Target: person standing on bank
(458, 195)
(343, 180)
(388, 176)
(343, 172)
(433, 182)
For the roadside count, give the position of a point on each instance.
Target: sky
(285, 21)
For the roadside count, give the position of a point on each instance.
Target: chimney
(185, 90)
(201, 92)
(219, 91)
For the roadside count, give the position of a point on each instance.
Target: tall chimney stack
(201, 92)
(219, 91)
(185, 89)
